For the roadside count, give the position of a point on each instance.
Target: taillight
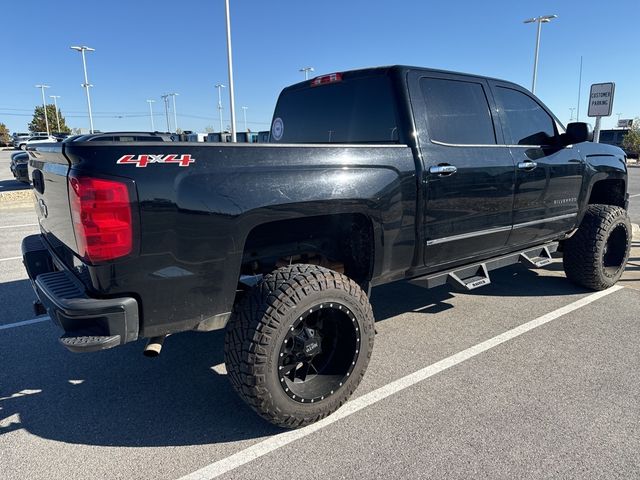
(332, 78)
(101, 214)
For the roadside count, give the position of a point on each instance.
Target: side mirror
(578, 132)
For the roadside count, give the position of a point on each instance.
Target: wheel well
(341, 242)
(608, 192)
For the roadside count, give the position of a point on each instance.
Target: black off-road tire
(261, 326)
(596, 255)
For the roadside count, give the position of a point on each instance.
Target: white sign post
(600, 104)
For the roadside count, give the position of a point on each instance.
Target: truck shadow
(19, 296)
(512, 281)
(633, 263)
(120, 398)
(10, 185)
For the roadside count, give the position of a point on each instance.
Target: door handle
(443, 170)
(528, 165)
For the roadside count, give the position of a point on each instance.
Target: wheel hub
(319, 353)
(307, 344)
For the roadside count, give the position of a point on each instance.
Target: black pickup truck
(370, 176)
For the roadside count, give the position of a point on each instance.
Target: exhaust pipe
(154, 346)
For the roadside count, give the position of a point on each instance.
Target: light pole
(86, 83)
(244, 113)
(42, 86)
(540, 21)
(579, 90)
(151, 102)
(619, 115)
(232, 103)
(220, 86)
(572, 109)
(165, 99)
(55, 104)
(306, 71)
(175, 115)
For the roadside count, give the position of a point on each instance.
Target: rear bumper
(90, 324)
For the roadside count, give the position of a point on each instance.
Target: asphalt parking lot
(528, 377)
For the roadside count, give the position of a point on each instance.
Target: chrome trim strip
(502, 145)
(545, 220)
(463, 236)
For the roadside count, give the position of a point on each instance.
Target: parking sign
(601, 99)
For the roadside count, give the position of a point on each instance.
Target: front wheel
(299, 343)
(596, 255)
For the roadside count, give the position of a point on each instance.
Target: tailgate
(48, 170)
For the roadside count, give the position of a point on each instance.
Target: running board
(477, 275)
(536, 258)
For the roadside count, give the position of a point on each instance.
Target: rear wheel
(299, 343)
(596, 255)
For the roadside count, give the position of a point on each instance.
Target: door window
(457, 112)
(527, 123)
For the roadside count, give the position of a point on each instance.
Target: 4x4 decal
(144, 160)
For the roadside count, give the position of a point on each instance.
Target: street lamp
(165, 99)
(539, 21)
(220, 86)
(232, 103)
(55, 103)
(306, 71)
(44, 105)
(86, 83)
(151, 102)
(244, 113)
(572, 109)
(175, 115)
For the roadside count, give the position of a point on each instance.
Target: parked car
(616, 137)
(20, 140)
(122, 137)
(35, 140)
(19, 166)
(61, 136)
(371, 176)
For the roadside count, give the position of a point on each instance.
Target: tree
(38, 124)
(631, 141)
(4, 134)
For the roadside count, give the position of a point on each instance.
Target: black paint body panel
(192, 222)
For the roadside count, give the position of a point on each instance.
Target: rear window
(360, 110)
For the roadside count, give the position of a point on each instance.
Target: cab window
(457, 112)
(525, 121)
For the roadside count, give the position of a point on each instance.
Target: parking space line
(634, 195)
(275, 442)
(24, 323)
(19, 226)
(9, 258)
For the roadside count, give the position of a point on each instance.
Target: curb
(16, 199)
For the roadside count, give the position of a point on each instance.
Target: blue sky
(147, 48)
